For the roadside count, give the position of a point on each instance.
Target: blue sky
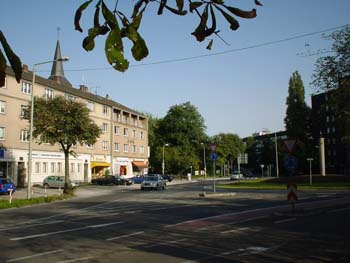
(237, 92)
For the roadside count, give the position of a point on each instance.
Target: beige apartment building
(122, 147)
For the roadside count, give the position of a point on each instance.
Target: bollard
(10, 195)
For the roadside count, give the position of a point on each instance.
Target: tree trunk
(67, 184)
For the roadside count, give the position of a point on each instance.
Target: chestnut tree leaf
(241, 13)
(14, 60)
(78, 14)
(195, 5)
(199, 33)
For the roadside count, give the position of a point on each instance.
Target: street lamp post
(31, 125)
(204, 162)
(163, 164)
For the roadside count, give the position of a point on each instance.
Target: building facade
(325, 125)
(122, 147)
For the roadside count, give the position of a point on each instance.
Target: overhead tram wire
(217, 53)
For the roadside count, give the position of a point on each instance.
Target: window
(70, 97)
(134, 120)
(126, 148)
(26, 87)
(126, 132)
(90, 105)
(116, 130)
(105, 110)
(2, 106)
(52, 170)
(142, 135)
(37, 167)
(327, 118)
(90, 146)
(59, 167)
(134, 148)
(105, 145)
(48, 93)
(24, 136)
(116, 147)
(79, 167)
(142, 149)
(134, 133)
(45, 167)
(72, 167)
(333, 129)
(23, 109)
(2, 133)
(104, 127)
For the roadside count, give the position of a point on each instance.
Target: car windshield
(6, 181)
(152, 178)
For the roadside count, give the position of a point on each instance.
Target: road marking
(35, 255)
(166, 243)
(238, 230)
(47, 223)
(285, 220)
(119, 237)
(75, 260)
(339, 210)
(63, 231)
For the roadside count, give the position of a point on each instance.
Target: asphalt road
(176, 225)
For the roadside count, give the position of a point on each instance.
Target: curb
(204, 194)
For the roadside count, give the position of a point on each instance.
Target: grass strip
(4, 204)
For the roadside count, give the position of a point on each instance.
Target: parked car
(123, 180)
(54, 181)
(236, 175)
(111, 180)
(153, 182)
(167, 177)
(138, 179)
(6, 185)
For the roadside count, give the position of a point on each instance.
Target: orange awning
(140, 164)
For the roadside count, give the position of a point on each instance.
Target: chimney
(107, 96)
(25, 68)
(84, 88)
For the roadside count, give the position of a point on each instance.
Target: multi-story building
(324, 124)
(122, 147)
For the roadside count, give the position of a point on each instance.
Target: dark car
(6, 185)
(111, 180)
(138, 179)
(167, 177)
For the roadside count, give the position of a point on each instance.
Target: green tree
(65, 122)
(182, 128)
(332, 70)
(228, 147)
(297, 120)
(298, 113)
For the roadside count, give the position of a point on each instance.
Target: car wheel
(142, 189)
(163, 187)
(46, 186)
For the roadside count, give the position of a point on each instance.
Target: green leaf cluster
(14, 60)
(119, 27)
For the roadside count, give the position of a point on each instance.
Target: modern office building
(122, 147)
(324, 124)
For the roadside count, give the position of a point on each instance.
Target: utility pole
(276, 150)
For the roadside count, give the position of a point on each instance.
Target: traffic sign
(213, 147)
(291, 163)
(213, 156)
(290, 143)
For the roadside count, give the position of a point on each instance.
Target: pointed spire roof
(57, 72)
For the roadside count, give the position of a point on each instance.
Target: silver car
(56, 182)
(153, 182)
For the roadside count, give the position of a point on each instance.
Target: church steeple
(57, 72)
